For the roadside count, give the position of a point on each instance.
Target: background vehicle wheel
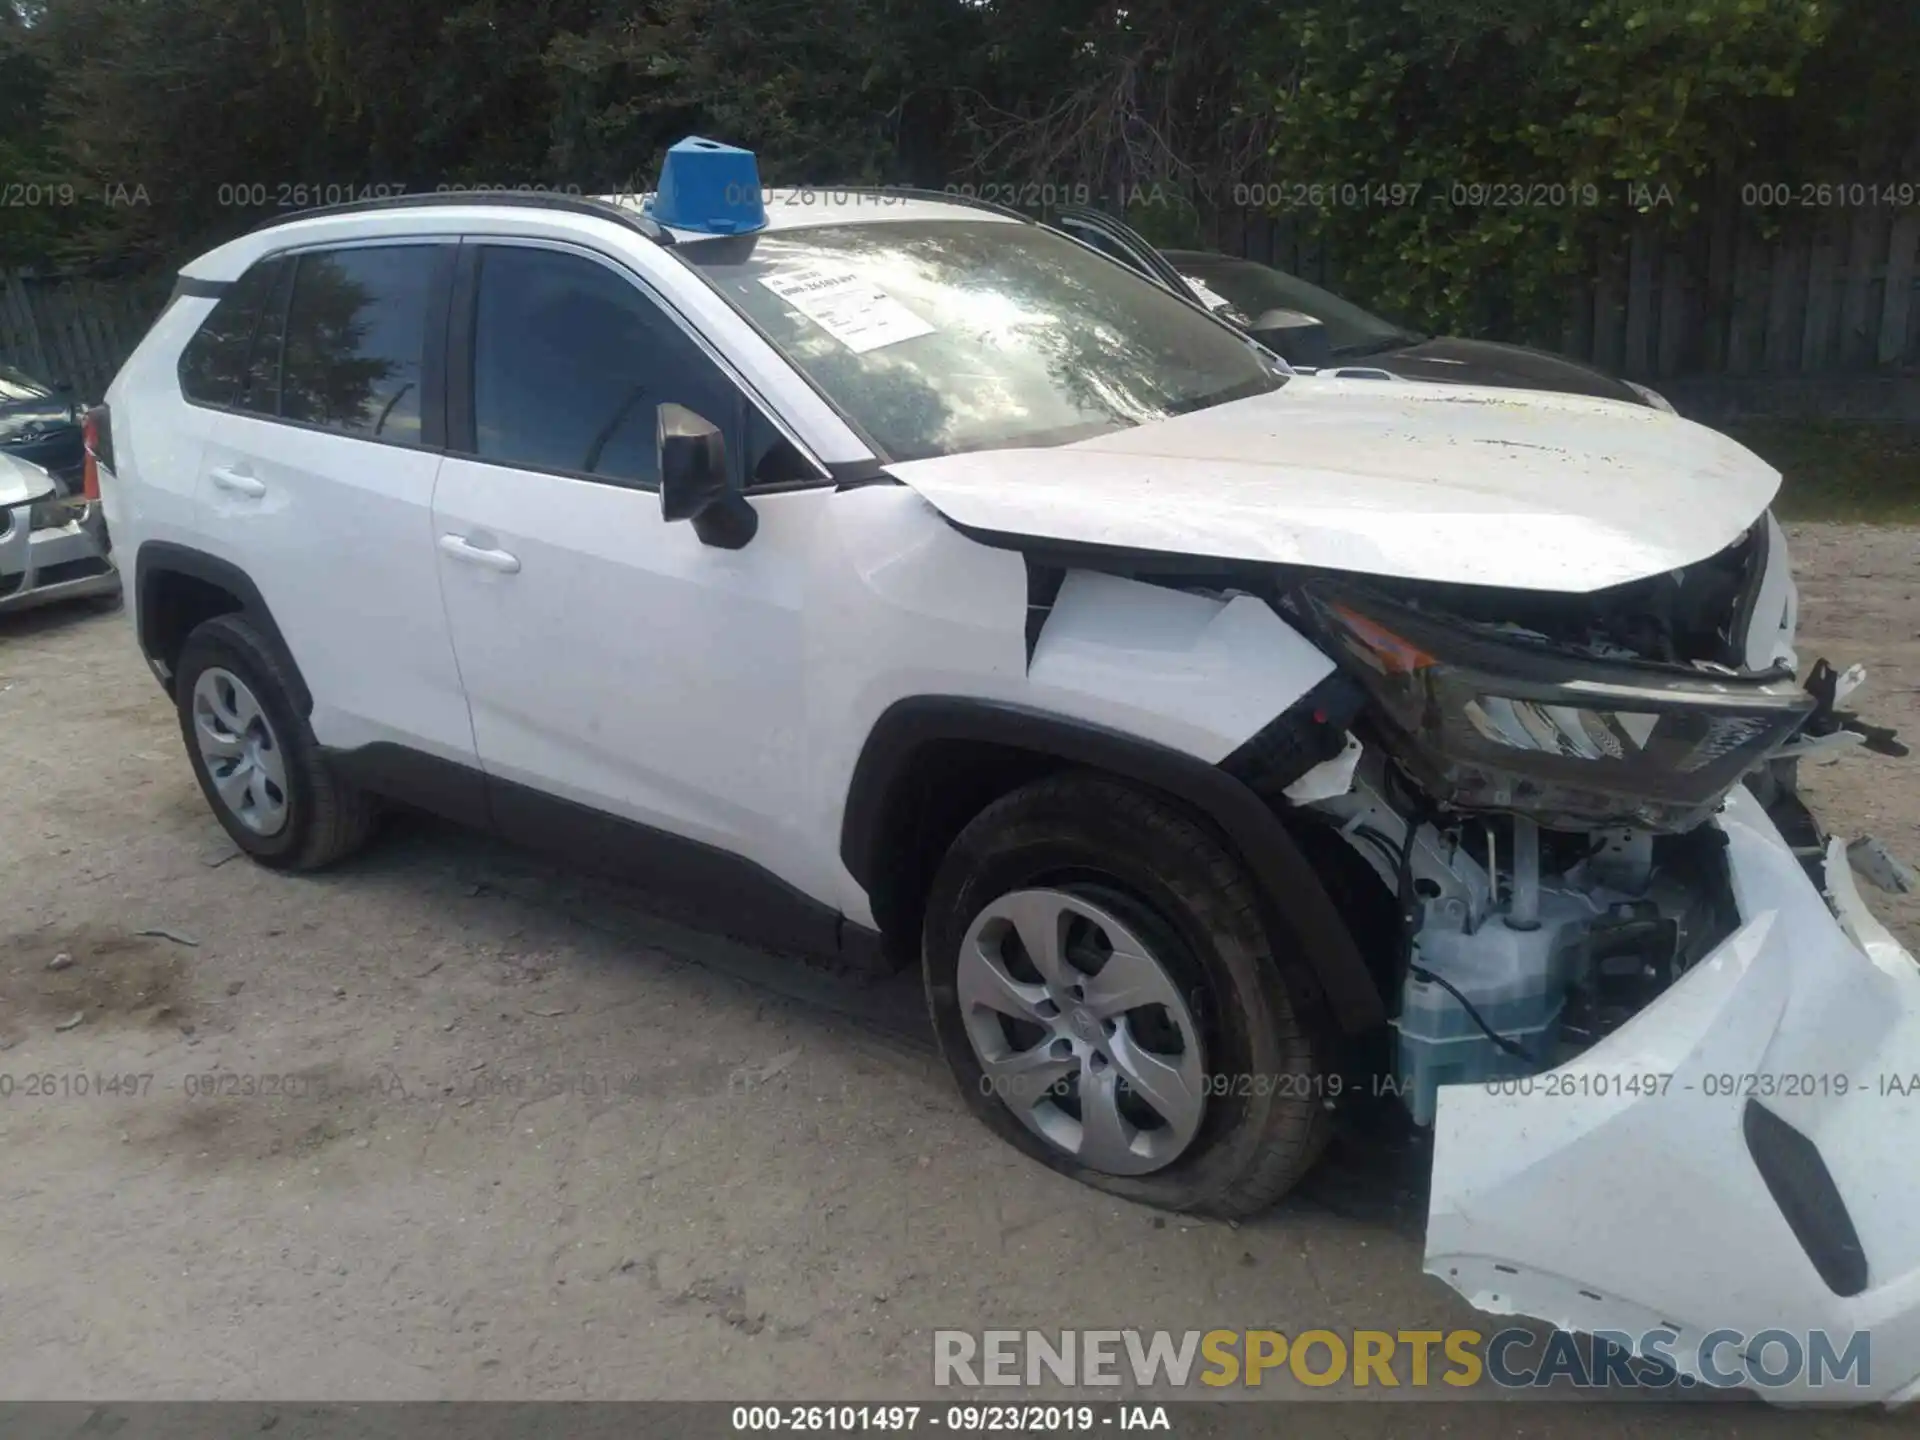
(255, 756)
(1103, 988)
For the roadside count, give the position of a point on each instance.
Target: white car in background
(52, 546)
(1225, 744)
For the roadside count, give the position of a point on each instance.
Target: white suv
(1232, 748)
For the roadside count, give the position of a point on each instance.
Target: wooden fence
(1836, 296)
(75, 331)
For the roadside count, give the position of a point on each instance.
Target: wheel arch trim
(1286, 878)
(158, 559)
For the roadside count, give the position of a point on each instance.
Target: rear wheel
(1104, 989)
(255, 756)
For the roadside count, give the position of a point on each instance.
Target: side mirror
(693, 480)
(1295, 337)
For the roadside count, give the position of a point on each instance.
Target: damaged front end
(1735, 1158)
(1662, 1047)
(1517, 724)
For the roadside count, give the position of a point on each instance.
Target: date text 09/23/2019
(957, 1419)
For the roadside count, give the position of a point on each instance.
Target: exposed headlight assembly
(1519, 726)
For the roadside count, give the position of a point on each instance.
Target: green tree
(1538, 130)
(831, 91)
(1162, 99)
(29, 169)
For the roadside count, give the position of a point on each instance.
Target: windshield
(937, 336)
(1253, 288)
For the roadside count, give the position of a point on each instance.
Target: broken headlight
(1520, 726)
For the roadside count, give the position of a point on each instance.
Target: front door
(610, 659)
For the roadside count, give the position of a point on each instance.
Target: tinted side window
(356, 340)
(213, 365)
(571, 363)
(260, 380)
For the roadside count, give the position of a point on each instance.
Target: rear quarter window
(213, 366)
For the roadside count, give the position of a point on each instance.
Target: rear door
(167, 400)
(319, 484)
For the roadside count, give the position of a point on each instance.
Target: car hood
(21, 483)
(1487, 362)
(1471, 485)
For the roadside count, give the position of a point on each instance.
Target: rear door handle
(238, 482)
(455, 547)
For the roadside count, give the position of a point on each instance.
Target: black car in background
(40, 424)
(1312, 328)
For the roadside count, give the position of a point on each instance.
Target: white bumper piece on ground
(1602, 1198)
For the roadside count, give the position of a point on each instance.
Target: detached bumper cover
(65, 562)
(1776, 1167)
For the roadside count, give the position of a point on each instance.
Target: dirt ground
(495, 1132)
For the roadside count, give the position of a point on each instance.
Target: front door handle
(455, 547)
(238, 482)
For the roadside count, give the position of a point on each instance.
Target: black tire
(327, 818)
(1176, 879)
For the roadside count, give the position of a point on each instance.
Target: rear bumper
(1601, 1203)
(39, 567)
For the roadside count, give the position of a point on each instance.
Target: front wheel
(1104, 989)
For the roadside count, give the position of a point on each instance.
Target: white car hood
(21, 482)
(1522, 489)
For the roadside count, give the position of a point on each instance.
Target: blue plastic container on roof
(710, 188)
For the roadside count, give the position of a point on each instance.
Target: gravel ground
(502, 1133)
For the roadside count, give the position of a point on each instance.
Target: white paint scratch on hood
(1523, 489)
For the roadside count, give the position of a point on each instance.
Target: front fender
(1297, 899)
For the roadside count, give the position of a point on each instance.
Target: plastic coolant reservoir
(1516, 979)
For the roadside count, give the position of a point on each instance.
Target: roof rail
(525, 199)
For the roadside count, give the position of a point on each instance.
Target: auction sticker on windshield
(851, 309)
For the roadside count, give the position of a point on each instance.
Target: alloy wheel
(242, 754)
(1082, 1031)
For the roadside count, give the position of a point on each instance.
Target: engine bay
(1534, 789)
(1697, 617)
(1517, 948)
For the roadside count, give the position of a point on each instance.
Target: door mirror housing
(693, 463)
(693, 480)
(1294, 336)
